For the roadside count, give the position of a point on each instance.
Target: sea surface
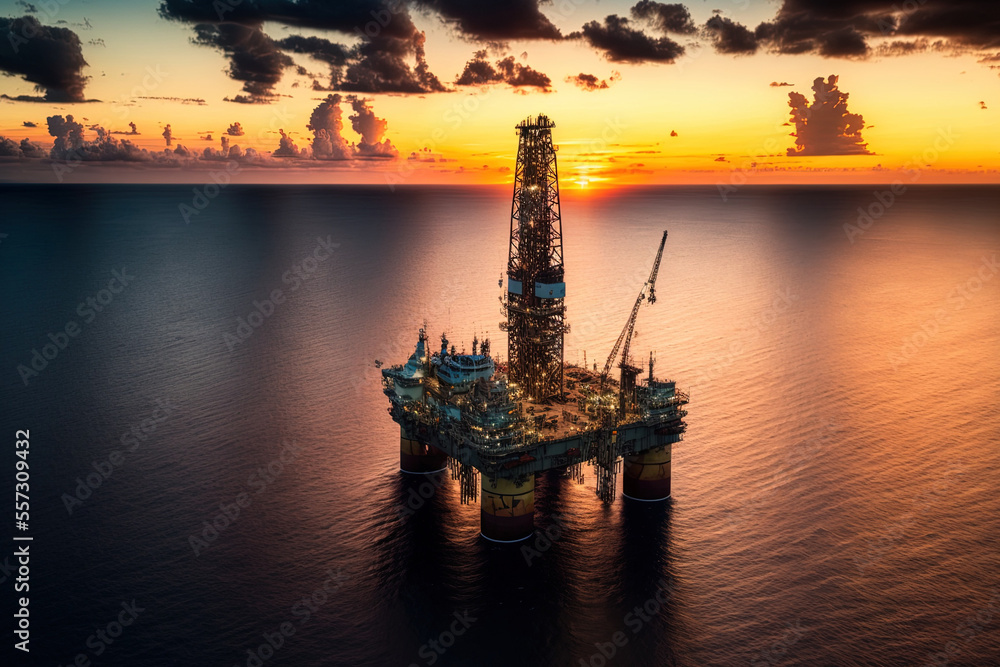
(836, 499)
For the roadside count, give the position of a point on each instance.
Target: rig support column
(416, 457)
(507, 511)
(646, 476)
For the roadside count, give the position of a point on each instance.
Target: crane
(625, 337)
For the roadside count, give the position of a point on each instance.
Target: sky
(428, 91)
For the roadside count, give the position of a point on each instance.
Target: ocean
(209, 365)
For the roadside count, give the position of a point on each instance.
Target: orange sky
(706, 118)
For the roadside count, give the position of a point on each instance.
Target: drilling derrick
(495, 426)
(536, 290)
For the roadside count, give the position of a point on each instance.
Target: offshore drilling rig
(506, 422)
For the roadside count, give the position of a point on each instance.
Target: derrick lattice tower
(536, 290)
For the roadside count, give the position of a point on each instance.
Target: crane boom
(626, 334)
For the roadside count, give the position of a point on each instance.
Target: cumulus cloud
(623, 43)
(27, 148)
(826, 127)
(479, 72)
(673, 133)
(29, 123)
(665, 17)
(286, 147)
(71, 145)
(327, 125)
(51, 58)
(590, 82)
(235, 130)
(372, 131)
(168, 135)
(729, 36)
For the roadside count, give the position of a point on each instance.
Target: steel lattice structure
(535, 304)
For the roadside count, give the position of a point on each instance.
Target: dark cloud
(235, 130)
(372, 130)
(380, 66)
(333, 54)
(587, 82)
(667, 18)
(390, 18)
(381, 62)
(29, 123)
(729, 36)
(255, 59)
(479, 71)
(168, 134)
(590, 82)
(775, 84)
(133, 130)
(27, 148)
(622, 43)
(319, 48)
(826, 127)
(843, 29)
(327, 125)
(495, 19)
(51, 58)
(29, 8)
